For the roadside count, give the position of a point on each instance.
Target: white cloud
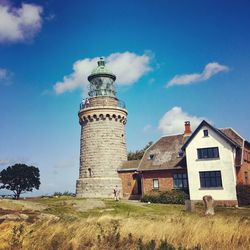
(128, 68)
(209, 70)
(5, 76)
(19, 24)
(173, 121)
(147, 128)
(4, 162)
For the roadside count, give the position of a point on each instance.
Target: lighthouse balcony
(102, 101)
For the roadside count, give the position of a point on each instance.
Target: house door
(138, 183)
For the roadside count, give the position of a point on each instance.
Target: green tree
(20, 178)
(138, 154)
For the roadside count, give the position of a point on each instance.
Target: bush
(66, 193)
(167, 197)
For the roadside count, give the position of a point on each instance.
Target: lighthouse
(103, 141)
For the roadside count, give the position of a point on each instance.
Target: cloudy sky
(174, 60)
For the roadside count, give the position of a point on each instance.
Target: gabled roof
(164, 154)
(217, 131)
(233, 135)
(129, 166)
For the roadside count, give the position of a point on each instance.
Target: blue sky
(201, 47)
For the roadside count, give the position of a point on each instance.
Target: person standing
(116, 193)
(87, 102)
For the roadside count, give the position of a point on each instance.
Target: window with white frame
(155, 184)
(208, 153)
(210, 179)
(205, 132)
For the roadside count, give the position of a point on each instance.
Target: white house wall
(225, 164)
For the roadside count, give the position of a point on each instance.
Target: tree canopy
(20, 178)
(138, 154)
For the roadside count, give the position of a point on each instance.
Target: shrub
(167, 197)
(66, 193)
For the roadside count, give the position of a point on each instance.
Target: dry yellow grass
(120, 229)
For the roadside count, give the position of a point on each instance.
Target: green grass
(61, 207)
(124, 223)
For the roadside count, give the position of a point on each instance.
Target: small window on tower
(90, 172)
(123, 138)
(205, 132)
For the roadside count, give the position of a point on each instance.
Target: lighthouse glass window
(102, 86)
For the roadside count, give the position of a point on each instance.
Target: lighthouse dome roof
(101, 69)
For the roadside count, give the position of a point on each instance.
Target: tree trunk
(17, 196)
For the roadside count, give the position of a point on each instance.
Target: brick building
(164, 165)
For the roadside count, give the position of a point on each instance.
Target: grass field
(69, 223)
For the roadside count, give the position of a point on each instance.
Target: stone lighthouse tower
(103, 145)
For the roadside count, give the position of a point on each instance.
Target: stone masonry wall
(103, 149)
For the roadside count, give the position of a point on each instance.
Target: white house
(209, 161)
(211, 165)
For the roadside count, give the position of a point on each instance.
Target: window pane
(180, 180)
(185, 183)
(199, 153)
(180, 183)
(210, 179)
(207, 174)
(205, 132)
(218, 182)
(155, 183)
(210, 153)
(216, 152)
(218, 173)
(212, 174)
(207, 182)
(204, 153)
(202, 182)
(175, 183)
(213, 182)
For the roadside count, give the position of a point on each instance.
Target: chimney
(187, 131)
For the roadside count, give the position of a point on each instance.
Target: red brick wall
(165, 178)
(245, 167)
(129, 186)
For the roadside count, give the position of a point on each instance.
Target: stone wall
(103, 101)
(102, 151)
